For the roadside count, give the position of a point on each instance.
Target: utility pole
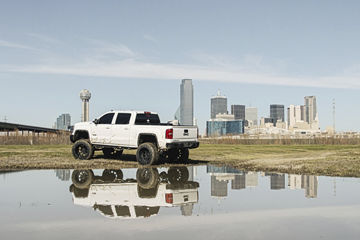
(333, 103)
(5, 119)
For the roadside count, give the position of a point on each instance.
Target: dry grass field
(331, 160)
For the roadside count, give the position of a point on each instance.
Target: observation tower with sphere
(85, 96)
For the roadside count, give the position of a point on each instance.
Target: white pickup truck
(115, 131)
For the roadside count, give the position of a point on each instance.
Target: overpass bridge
(14, 133)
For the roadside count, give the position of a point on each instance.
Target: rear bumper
(183, 186)
(190, 145)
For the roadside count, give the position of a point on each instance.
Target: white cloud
(104, 48)
(131, 68)
(44, 38)
(8, 44)
(109, 59)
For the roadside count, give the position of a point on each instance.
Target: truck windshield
(142, 118)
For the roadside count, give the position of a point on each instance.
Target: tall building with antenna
(85, 96)
(218, 105)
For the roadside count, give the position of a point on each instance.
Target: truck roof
(131, 111)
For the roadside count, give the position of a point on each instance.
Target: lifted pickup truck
(114, 196)
(118, 130)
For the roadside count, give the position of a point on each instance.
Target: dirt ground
(330, 160)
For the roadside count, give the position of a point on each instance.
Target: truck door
(121, 130)
(101, 133)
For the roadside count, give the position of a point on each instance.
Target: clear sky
(133, 55)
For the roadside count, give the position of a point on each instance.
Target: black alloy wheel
(147, 154)
(82, 150)
(82, 178)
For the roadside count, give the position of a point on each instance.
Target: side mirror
(96, 121)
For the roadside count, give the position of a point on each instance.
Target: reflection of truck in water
(116, 197)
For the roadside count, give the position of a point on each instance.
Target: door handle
(107, 127)
(126, 128)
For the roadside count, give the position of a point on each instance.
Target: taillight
(169, 198)
(169, 133)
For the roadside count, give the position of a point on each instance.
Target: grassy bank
(333, 160)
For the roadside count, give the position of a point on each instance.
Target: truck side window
(123, 118)
(107, 118)
(142, 119)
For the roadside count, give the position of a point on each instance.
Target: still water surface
(202, 202)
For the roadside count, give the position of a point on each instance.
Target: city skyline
(121, 58)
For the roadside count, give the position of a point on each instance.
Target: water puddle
(182, 202)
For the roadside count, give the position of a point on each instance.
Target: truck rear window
(142, 118)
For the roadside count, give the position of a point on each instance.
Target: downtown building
(185, 113)
(303, 117)
(277, 113)
(251, 116)
(311, 113)
(238, 111)
(218, 105)
(221, 123)
(63, 122)
(222, 127)
(186, 102)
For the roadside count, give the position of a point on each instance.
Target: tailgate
(181, 197)
(185, 132)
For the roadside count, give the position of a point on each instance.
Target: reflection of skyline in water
(36, 209)
(63, 174)
(221, 176)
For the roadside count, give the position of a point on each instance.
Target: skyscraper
(186, 102)
(295, 114)
(277, 112)
(251, 115)
(310, 184)
(277, 181)
(63, 122)
(311, 113)
(63, 174)
(238, 182)
(218, 187)
(291, 115)
(238, 111)
(218, 105)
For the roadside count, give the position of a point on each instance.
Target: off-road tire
(147, 154)
(178, 155)
(178, 175)
(147, 178)
(82, 149)
(110, 175)
(112, 153)
(107, 152)
(82, 178)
